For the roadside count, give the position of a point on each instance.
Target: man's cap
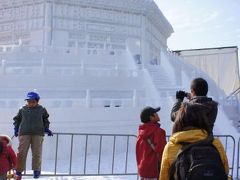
(32, 96)
(147, 112)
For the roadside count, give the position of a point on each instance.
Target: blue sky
(202, 23)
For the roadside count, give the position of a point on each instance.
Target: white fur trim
(7, 137)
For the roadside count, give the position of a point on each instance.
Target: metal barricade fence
(80, 154)
(238, 160)
(229, 145)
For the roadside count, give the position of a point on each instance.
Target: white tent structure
(221, 64)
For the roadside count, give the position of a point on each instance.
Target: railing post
(238, 156)
(100, 152)
(82, 68)
(71, 155)
(134, 98)
(126, 161)
(116, 69)
(113, 155)
(85, 156)
(43, 69)
(88, 98)
(3, 66)
(56, 156)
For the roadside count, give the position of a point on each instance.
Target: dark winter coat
(32, 121)
(210, 108)
(8, 159)
(148, 158)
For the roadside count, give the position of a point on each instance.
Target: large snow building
(95, 63)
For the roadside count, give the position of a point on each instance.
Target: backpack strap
(151, 144)
(186, 146)
(149, 141)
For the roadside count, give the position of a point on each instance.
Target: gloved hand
(180, 95)
(48, 131)
(16, 131)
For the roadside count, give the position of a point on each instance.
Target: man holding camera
(199, 90)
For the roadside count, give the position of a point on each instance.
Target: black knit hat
(147, 112)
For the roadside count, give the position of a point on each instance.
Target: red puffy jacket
(149, 158)
(8, 159)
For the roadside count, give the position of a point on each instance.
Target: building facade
(101, 24)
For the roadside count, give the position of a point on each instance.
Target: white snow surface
(98, 88)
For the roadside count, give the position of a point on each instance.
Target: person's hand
(189, 96)
(180, 95)
(48, 131)
(16, 131)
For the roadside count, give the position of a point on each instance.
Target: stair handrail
(235, 92)
(188, 68)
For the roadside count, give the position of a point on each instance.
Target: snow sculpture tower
(101, 24)
(77, 53)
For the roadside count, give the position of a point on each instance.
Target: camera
(182, 94)
(186, 94)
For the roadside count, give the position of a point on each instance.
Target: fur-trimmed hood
(7, 138)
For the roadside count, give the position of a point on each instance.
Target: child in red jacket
(8, 159)
(151, 141)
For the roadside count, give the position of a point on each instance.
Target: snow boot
(36, 174)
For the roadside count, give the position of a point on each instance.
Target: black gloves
(48, 131)
(180, 95)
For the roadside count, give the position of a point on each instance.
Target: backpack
(198, 161)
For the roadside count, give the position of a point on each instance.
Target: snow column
(48, 15)
(143, 40)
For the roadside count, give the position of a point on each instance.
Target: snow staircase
(161, 81)
(232, 108)
(230, 104)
